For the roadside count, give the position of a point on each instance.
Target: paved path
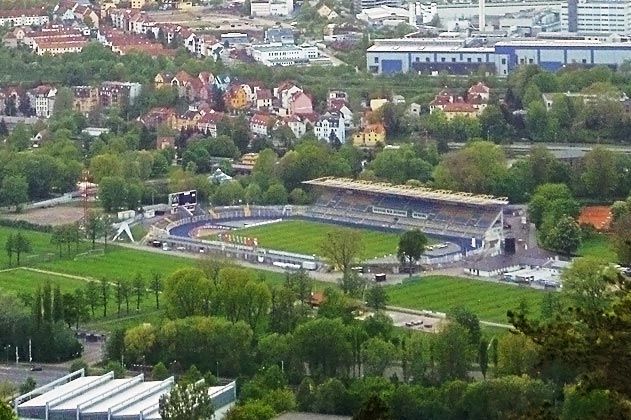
(398, 309)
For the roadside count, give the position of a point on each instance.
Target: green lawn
(488, 300)
(23, 281)
(118, 262)
(306, 237)
(599, 246)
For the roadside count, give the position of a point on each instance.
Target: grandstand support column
(247, 212)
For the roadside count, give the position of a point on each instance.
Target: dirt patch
(53, 216)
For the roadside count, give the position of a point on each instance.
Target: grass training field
(488, 300)
(599, 246)
(306, 237)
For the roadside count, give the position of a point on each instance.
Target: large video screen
(184, 198)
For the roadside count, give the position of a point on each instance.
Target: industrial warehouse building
(79, 397)
(460, 56)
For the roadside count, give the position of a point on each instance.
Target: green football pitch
(307, 237)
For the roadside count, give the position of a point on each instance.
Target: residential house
(187, 121)
(118, 94)
(260, 124)
(237, 98)
(162, 79)
(481, 90)
(336, 96)
(460, 109)
(377, 103)
(15, 37)
(207, 124)
(341, 106)
(42, 100)
(453, 105)
(370, 136)
(300, 104)
(159, 116)
(165, 142)
(85, 99)
(297, 125)
(87, 16)
(263, 99)
(330, 126)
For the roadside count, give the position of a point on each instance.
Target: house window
(530, 60)
(453, 59)
(418, 59)
(442, 59)
(503, 61)
(584, 61)
(468, 59)
(480, 60)
(376, 60)
(427, 59)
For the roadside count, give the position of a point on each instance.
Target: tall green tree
(156, 285)
(14, 191)
(21, 245)
(139, 289)
(564, 237)
(342, 248)
(94, 226)
(186, 402)
(452, 353)
(412, 245)
(105, 294)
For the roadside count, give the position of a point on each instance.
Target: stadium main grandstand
(475, 222)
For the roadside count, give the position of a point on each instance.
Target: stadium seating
(388, 211)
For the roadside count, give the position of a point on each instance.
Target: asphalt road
(17, 374)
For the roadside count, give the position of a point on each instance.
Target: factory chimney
(482, 17)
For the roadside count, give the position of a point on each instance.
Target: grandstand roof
(408, 191)
(104, 396)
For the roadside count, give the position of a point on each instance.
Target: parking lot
(416, 322)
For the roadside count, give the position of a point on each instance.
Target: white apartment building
(328, 125)
(23, 17)
(598, 16)
(42, 100)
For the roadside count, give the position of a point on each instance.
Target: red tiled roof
(260, 119)
(479, 88)
(263, 94)
(211, 118)
(459, 107)
(22, 12)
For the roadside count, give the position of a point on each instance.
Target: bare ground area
(53, 216)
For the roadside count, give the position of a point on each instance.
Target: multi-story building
(86, 99)
(42, 100)
(23, 17)
(588, 16)
(118, 94)
(330, 126)
(370, 136)
(260, 124)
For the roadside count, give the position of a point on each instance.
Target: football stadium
(462, 223)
